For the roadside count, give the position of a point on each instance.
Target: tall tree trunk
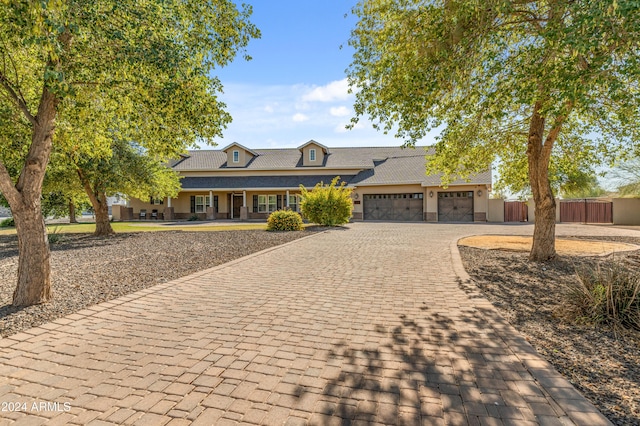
(34, 273)
(544, 247)
(103, 225)
(98, 200)
(539, 156)
(72, 212)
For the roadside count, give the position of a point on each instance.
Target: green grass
(121, 227)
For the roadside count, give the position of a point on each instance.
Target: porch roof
(257, 182)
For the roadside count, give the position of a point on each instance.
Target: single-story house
(389, 183)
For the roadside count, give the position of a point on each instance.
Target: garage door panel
(455, 206)
(393, 207)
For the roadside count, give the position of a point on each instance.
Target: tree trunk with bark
(103, 225)
(72, 212)
(34, 271)
(539, 155)
(98, 200)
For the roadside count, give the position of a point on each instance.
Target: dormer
(313, 154)
(238, 155)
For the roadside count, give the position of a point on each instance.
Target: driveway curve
(370, 324)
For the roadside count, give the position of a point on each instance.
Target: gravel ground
(86, 270)
(604, 367)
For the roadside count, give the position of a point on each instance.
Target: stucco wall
(319, 155)
(626, 211)
(495, 210)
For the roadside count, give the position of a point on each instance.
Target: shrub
(328, 205)
(7, 222)
(193, 217)
(54, 236)
(284, 220)
(606, 295)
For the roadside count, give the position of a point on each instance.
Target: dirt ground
(603, 365)
(563, 246)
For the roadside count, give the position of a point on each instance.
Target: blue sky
(295, 89)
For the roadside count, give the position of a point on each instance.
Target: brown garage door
(397, 207)
(455, 206)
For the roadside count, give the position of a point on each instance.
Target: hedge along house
(389, 184)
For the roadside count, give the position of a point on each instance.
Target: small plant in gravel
(284, 220)
(328, 205)
(54, 235)
(7, 223)
(608, 294)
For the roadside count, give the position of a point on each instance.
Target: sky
(295, 88)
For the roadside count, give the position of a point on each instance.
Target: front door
(237, 203)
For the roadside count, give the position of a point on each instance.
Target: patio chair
(154, 214)
(143, 214)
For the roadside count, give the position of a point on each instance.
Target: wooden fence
(516, 211)
(586, 211)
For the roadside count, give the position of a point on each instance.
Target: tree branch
(15, 97)
(6, 186)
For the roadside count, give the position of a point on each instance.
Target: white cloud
(342, 127)
(334, 91)
(268, 108)
(340, 111)
(299, 118)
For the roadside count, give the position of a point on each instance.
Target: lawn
(121, 227)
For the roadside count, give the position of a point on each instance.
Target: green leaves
(328, 205)
(477, 68)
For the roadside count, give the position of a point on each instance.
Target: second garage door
(455, 206)
(398, 207)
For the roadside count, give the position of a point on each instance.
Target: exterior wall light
(355, 195)
(479, 193)
(430, 194)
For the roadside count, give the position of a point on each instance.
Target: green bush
(606, 295)
(7, 222)
(327, 205)
(54, 236)
(284, 220)
(193, 218)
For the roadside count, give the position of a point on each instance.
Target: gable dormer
(238, 155)
(313, 153)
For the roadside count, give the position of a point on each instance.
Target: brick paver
(369, 325)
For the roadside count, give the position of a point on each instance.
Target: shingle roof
(254, 182)
(377, 165)
(290, 158)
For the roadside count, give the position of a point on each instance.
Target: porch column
(210, 198)
(168, 201)
(244, 211)
(286, 202)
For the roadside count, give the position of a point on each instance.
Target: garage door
(400, 207)
(455, 206)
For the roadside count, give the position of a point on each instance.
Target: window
(157, 201)
(236, 156)
(294, 203)
(202, 203)
(267, 203)
(312, 155)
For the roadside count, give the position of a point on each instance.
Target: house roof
(368, 165)
(290, 158)
(258, 182)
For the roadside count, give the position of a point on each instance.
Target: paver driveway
(364, 325)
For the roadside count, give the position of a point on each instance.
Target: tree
(129, 170)
(528, 81)
(106, 64)
(626, 176)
